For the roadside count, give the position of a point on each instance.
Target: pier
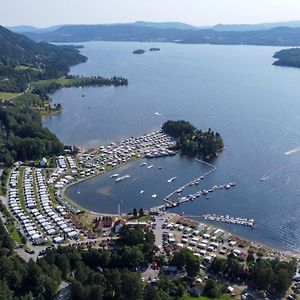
(230, 219)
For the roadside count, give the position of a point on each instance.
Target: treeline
(288, 58)
(192, 141)
(22, 136)
(273, 276)
(93, 274)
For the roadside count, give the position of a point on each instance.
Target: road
(158, 231)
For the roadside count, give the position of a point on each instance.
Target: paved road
(158, 231)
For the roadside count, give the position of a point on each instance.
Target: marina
(253, 149)
(230, 219)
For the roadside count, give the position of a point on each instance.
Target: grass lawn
(14, 234)
(63, 81)
(4, 95)
(223, 297)
(145, 218)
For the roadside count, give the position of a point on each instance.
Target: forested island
(192, 141)
(288, 58)
(138, 51)
(154, 49)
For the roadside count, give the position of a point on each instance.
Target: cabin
(118, 225)
(196, 290)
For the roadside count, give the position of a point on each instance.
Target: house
(43, 162)
(197, 289)
(118, 225)
(107, 221)
(170, 270)
(98, 226)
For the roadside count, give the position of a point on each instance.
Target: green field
(4, 95)
(63, 81)
(23, 68)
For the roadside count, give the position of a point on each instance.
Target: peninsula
(192, 141)
(288, 58)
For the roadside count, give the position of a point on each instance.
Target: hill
(253, 27)
(23, 60)
(281, 36)
(26, 28)
(165, 25)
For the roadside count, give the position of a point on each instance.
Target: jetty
(230, 219)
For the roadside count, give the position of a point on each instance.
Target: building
(196, 290)
(118, 225)
(43, 162)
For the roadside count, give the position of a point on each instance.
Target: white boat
(154, 196)
(114, 175)
(142, 191)
(143, 164)
(171, 179)
(122, 178)
(149, 167)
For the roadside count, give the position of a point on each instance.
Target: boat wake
(297, 149)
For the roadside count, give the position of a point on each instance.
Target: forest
(192, 141)
(273, 276)
(22, 136)
(92, 273)
(23, 61)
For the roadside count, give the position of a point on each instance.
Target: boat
(171, 179)
(159, 168)
(122, 178)
(154, 196)
(149, 167)
(142, 191)
(202, 177)
(114, 175)
(232, 183)
(143, 164)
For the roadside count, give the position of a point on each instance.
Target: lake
(235, 90)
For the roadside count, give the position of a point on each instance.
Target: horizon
(149, 21)
(194, 12)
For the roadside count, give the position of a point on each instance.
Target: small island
(139, 51)
(154, 49)
(288, 58)
(192, 141)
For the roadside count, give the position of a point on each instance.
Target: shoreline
(251, 241)
(268, 247)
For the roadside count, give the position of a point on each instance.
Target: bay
(235, 90)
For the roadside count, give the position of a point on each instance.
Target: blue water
(235, 90)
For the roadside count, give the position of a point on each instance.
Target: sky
(44, 13)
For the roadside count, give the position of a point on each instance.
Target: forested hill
(23, 60)
(281, 36)
(20, 49)
(288, 58)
